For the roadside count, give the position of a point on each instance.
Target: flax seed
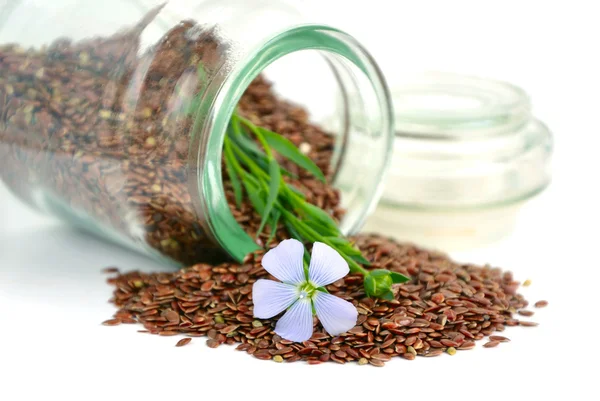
(385, 330)
(183, 341)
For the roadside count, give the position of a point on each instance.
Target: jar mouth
(208, 139)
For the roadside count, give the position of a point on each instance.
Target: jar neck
(364, 127)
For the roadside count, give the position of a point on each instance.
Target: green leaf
(276, 215)
(369, 285)
(398, 278)
(296, 191)
(243, 140)
(322, 289)
(321, 216)
(288, 150)
(342, 245)
(292, 230)
(360, 259)
(235, 182)
(249, 162)
(387, 296)
(337, 241)
(275, 177)
(306, 233)
(288, 173)
(262, 161)
(379, 273)
(321, 229)
(254, 194)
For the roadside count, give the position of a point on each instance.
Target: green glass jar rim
(207, 180)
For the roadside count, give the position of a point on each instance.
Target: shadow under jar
(113, 115)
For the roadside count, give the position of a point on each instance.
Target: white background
(53, 297)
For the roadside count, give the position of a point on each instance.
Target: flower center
(306, 290)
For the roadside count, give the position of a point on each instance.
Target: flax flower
(301, 292)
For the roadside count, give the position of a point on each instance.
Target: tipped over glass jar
(113, 116)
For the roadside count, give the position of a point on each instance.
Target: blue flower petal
(326, 265)
(297, 323)
(336, 315)
(285, 261)
(271, 298)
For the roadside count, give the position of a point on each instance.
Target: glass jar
(467, 154)
(113, 113)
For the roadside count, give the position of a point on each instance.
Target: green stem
(254, 168)
(278, 202)
(261, 138)
(231, 157)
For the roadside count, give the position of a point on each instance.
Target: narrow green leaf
(235, 182)
(262, 162)
(338, 241)
(305, 231)
(247, 160)
(323, 289)
(292, 230)
(344, 246)
(255, 196)
(360, 259)
(398, 278)
(275, 220)
(321, 216)
(242, 139)
(388, 296)
(288, 150)
(296, 191)
(320, 228)
(275, 177)
(295, 200)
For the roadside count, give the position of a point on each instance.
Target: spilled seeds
(446, 307)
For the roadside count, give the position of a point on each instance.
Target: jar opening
(363, 132)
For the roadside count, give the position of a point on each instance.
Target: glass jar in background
(113, 113)
(467, 154)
